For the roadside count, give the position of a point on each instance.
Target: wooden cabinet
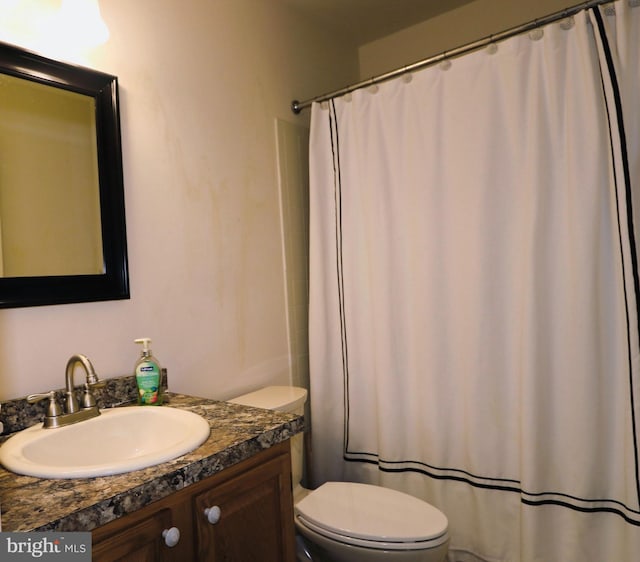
(139, 537)
(242, 514)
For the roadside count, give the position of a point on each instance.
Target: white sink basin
(118, 440)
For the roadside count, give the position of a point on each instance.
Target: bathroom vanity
(229, 499)
(244, 513)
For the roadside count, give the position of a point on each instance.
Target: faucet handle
(53, 408)
(33, 398)
(88, 400)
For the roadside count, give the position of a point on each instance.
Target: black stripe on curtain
(618, 139)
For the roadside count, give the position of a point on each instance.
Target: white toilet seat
(371, 544)
(372, 517)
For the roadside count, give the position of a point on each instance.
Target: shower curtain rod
(298, 106)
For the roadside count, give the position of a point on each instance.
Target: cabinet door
(254, 516)
(139, 538)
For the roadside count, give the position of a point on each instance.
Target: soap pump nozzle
(145, 346)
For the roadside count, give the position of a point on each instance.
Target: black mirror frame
(113, 284)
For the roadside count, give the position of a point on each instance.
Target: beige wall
(202, 84)
(452, 29)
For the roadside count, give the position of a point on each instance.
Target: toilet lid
(372, 514)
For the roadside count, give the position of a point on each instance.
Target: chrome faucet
(88, 399)
(73, 411)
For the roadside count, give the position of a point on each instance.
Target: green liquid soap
(148, 376)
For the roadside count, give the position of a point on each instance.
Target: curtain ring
(536, 34)
(567, 23)
(445, 63)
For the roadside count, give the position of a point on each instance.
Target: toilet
(349, 521)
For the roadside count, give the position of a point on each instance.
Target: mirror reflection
(49, 186)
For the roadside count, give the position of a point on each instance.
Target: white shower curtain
(473, 285)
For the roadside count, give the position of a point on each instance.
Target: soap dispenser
(148, 376)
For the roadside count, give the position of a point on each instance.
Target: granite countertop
(237, 433)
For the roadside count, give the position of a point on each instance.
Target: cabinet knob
(213, 514)
(171, 536)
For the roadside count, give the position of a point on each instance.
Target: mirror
(62, 222)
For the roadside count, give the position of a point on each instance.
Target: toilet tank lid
(279, 398)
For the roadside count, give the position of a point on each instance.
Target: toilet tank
(278, 398)
(281, 399)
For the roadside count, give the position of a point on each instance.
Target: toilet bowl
(349, 521)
